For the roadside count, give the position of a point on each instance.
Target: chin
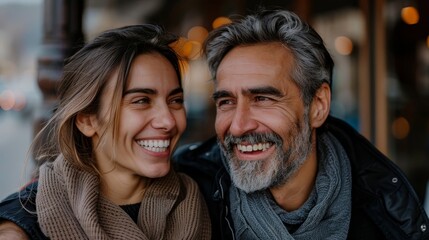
(157, 173)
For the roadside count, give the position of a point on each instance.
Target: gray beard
(251, 176)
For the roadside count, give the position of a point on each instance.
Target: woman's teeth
(253, 147)
(154, 145)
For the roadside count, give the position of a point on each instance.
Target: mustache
(252, 138)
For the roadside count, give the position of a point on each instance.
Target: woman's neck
(123, 189)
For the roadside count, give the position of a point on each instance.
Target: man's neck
(293, 194)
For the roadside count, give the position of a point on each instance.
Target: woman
(119, 118)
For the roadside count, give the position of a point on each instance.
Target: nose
(242, 120)
(163, 119)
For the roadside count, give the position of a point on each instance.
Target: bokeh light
(343, 45)
(20, 101)
(400, 128)
(220, 21)
(410, 15)
(195, 50)
(182, 47)
(12, 100)
(198, 34)
(7, 100)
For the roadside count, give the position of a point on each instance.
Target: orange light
(195, 51)
(427, 41)
(187, 49)
(184, 67)
(410, 15)
(400, 128)
(220, 21)
(198, 34)
(181, 46)
(343, 45)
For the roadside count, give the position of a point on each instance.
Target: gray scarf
(325, 215)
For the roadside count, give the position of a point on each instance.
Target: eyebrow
(268, 90)
(151, 91)
(220, 94)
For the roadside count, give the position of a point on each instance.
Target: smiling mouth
(253, 147)
(154, 145)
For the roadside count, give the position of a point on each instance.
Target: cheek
(130, 122)
(277, 121)
(180, 118)
(128, 118)
(290, 130)
(222, 123)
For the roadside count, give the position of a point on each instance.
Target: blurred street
(381, 90)
(20, 36)
(16, 135)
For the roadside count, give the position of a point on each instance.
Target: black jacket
(20, 208)
(384, 204)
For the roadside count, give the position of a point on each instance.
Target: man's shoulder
(200, 158)
(202, 162)
(380, 188)
(21, 202)
(20, 208)
(372, 171)
(362, 153)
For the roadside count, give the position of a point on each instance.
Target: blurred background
(380, 48)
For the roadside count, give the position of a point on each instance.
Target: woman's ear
(86, 124)
(320, 106)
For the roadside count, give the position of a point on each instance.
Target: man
(281, 167)
(284, 168)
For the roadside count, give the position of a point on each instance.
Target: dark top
(384, 204)
(132, 210)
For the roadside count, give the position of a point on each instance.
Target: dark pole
(62, 35)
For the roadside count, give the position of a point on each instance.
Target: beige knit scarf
(70, 206)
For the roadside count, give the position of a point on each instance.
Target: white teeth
(154, 145)
(254, 147)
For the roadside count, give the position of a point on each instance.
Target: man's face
(261, 120)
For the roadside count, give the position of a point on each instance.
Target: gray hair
(313, 63)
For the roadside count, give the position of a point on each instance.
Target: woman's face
(152, 118)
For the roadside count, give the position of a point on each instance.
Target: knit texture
(70, 206)
(325, 215)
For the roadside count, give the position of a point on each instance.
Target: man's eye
(224, 102)
(262, 98)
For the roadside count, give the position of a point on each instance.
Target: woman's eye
(141, 101)
(178, 100)
(176, 103)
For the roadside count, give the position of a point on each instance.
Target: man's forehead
(256, 61)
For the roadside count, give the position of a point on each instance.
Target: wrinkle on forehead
(256, 60)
